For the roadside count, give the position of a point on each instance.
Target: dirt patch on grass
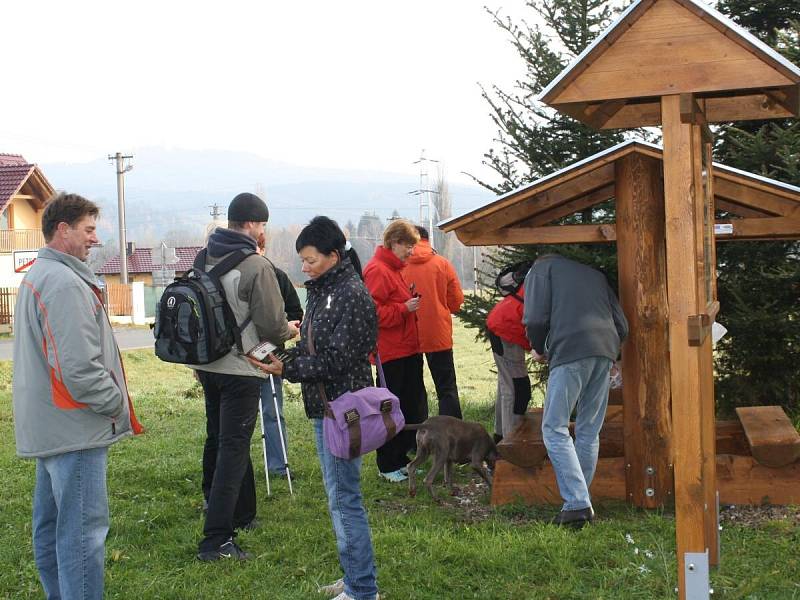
(756, 516)
(471, 499)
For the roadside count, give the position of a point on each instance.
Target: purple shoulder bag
(358, 422)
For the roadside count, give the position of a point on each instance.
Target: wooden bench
(774, 442)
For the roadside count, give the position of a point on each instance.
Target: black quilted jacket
(341, 316)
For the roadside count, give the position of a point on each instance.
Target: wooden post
(645, 360)
(684, 221)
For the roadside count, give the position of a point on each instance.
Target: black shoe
(251, 525)
(574, 518)
(283, 475)
(227, 550)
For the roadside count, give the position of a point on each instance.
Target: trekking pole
(264, 445)
(280, 434)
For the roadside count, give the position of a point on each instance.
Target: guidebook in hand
(262, 351)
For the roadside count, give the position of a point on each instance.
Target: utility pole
(216, 212)
(122, 168)
(426, 204)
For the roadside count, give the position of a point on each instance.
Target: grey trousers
(510, 366)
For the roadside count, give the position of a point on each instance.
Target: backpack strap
(215, 274)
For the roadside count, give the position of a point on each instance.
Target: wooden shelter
(680, 65)
(636, 443)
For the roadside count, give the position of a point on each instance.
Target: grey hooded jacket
(253, 293)
(69, 389)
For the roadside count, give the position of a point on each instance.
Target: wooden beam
(524, 446)
(788, 98)
(755, 197)
(741, 481)
(642, 272)
(767, 228)
(683, 213)
(774, 442)
(577, 181)
(717, 110)
(538, 485)
(738, 209)
(638, 114)
(744, 108)
(597, 115)
(553, 234)
(573, 206)
(524, 206)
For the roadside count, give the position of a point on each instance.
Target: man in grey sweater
(574, 322)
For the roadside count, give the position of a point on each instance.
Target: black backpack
(511, 277)
(194, 322)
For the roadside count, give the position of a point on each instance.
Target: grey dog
(450, 440)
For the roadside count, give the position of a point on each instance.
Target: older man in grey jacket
(574, 322)
(70, 401)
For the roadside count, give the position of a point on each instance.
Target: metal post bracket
(695, 567)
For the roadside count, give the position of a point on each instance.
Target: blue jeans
(275, 458)
(342, 479)
(70, 523)
(581, 385)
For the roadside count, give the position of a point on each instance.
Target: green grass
(460, 548)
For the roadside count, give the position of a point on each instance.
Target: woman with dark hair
(398, 341)
(336, 338)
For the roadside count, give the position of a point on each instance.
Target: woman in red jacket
(398, 341)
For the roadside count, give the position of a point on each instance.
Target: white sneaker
(334, 589)
(344, 596)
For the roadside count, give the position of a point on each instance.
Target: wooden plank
(642, 274)
(553, 234)
(699, 77)
(742, 480)
(717, 110)
(538, 485)
(524, 446)
(769, 228)
(731, 438)
(682, 214)
(774, 442)
(743, 108)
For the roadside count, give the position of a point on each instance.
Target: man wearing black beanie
(231, 385)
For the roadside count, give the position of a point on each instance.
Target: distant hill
(171, 190)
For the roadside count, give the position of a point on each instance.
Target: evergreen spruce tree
(534, 140)
(759, 282)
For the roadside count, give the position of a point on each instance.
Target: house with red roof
(141, 265)
(24, 190)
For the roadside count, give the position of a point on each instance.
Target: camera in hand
(262, 351)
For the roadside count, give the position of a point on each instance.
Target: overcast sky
(348, 84)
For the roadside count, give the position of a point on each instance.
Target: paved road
(128, 338)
